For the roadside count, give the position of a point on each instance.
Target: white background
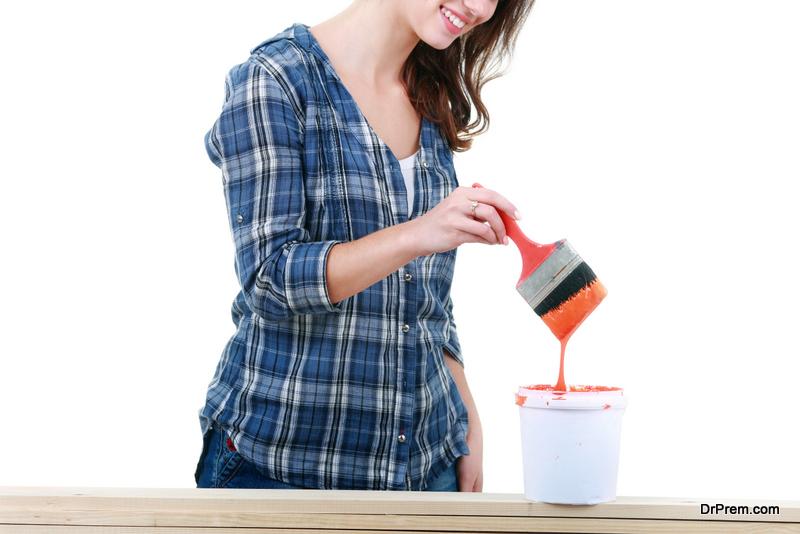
(660, 138)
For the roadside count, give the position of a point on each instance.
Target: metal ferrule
(553, 270)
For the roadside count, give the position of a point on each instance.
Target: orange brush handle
(533, 253)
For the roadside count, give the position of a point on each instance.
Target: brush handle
(533, 253)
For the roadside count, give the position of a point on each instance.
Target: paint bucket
(570, 443)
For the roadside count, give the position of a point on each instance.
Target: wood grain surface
(34, 510)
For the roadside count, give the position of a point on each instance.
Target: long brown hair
(444, 85)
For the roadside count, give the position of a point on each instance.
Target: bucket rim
(607, 398)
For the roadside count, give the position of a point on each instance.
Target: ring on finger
(472, 206)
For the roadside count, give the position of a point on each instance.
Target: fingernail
(505, 240)
(517, 216)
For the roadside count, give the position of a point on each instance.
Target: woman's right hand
(450, 223)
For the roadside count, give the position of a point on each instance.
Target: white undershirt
(407, 168)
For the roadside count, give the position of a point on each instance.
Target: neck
(370, 40)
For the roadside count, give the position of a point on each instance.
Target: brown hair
(444, 85)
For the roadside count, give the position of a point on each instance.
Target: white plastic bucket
(570, 443)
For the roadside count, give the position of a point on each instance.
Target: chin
(439, 44)
(435, 38)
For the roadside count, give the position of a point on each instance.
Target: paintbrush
(560, 287)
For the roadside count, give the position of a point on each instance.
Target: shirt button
(425, 164)
(240, 218)
(401, 438)
(406, 328)
(407, 277)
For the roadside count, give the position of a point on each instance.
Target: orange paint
(564, 320)
(593, 388)
(574, 389)
(561, 384)
(550, 395)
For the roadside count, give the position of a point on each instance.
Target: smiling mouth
(452, 21)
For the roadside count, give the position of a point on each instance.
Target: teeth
(457, 22)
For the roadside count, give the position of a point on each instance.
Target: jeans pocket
(446, 481)
(228, 461)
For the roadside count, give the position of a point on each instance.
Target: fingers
(470, 481)
(478, 232)
(490, 215)
(493, 198)
(460, 223)
(466, 237)
(465, 480)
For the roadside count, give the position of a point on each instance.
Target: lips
(467, 21)
(453, 21)
(450, 27)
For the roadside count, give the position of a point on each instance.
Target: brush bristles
(564, 319)
(582, 276)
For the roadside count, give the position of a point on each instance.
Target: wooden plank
(553, 525)
(394, 523)
(186, 510)
(366, 502)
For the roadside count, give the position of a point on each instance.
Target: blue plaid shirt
(352, 395)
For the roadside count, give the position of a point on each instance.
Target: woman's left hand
(469, 468)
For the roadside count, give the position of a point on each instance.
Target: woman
(335, 144)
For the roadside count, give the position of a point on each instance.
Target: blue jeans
(220, 467)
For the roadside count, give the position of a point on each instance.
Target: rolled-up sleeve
(452, 344)
(257, 142)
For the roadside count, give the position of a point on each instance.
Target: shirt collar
(301, 35)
